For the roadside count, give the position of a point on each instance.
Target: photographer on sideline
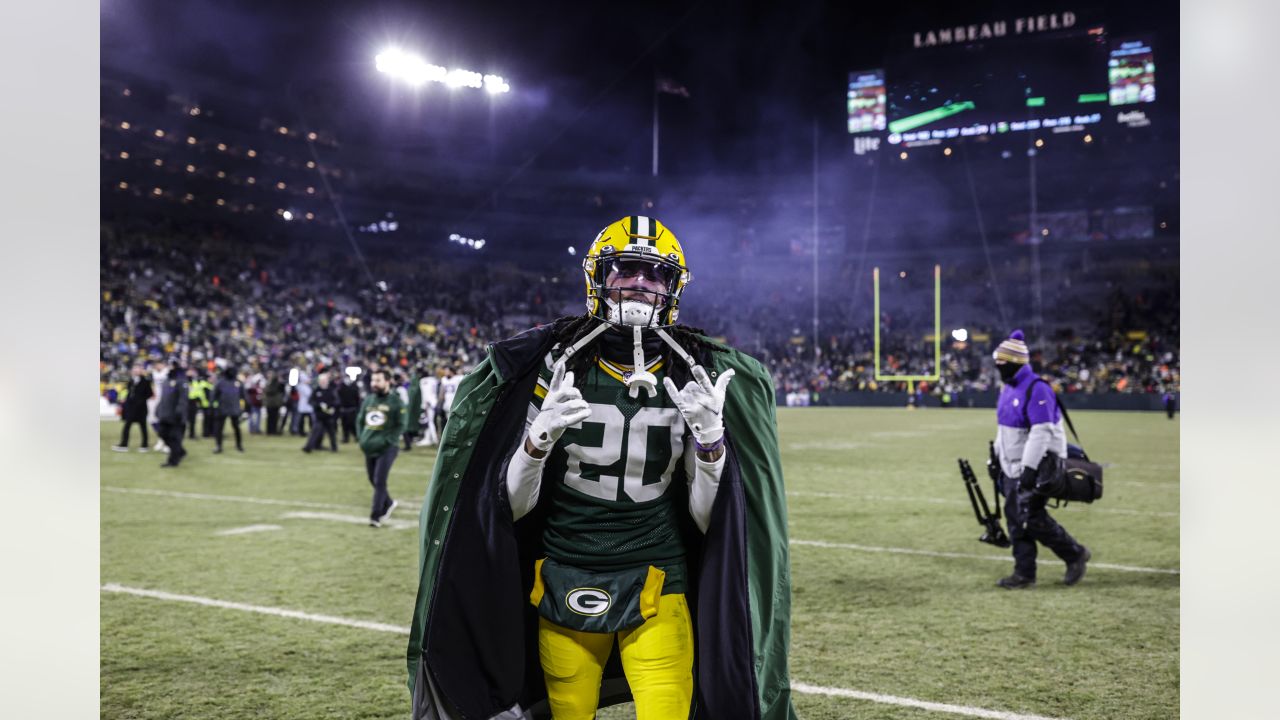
(1028, 427)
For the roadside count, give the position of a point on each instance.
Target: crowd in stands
(208, 298)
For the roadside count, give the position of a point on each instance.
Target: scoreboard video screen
(1132, 73)
(866, 101)
(1070, 81)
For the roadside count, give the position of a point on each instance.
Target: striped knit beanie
(1013, 350)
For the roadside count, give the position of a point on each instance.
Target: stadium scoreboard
(1074, 79)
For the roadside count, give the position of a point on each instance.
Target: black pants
(349, 425)
(378, 468)
(206, 421)
(273, 421)
(235, 425)
(171, 434)
(193, 411)
(1029, 524)
(124, 435)
(321, 426)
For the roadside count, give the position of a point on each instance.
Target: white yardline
(949, 501)
(964, 556)
(400, 630)
(248, 529)
(278, 612)
(912, 702)
(352, 519)
(244, 499)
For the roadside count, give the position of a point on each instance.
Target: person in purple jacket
(1028, 428)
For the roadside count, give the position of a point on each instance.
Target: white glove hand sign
(701, 404)
(563, 407)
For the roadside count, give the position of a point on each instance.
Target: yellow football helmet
(635, 244)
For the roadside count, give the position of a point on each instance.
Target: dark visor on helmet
(621, 268)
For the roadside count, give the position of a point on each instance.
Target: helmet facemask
(635, 290)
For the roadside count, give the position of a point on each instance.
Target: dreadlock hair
(570, 329)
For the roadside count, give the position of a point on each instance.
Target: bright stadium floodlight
(473, 243)
(417, 72)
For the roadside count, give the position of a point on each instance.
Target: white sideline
(241, 498)
(278, 612)
(395, 524)
(382, 627)
(248, 529)
(912, 702)
(969, 556)
(951, 501)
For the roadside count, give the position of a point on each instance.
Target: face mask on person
(1008, 370)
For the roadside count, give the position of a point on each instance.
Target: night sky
(759, 74)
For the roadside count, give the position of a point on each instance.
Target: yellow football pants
(657, 658)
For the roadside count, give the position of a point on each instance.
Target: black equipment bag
(1074, 478)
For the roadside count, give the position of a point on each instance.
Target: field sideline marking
(248, 529)
(912, 702)
(400, 630)
(244, 499)
(949, 501)
(969, 556)
(278, 612)
(396, 524)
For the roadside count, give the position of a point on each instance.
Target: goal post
(911, 380)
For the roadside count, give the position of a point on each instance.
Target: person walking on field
(134, 410)
(227, 395)
(378, 425)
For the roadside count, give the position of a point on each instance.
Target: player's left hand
(701, 404)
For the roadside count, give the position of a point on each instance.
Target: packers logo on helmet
(635, 245)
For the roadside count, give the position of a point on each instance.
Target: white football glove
(701, 404)
(563, 407)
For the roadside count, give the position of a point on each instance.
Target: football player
(608, 478)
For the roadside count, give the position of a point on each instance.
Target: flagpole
(655, 126)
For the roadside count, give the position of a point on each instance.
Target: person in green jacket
(378, 427)
(607, 479)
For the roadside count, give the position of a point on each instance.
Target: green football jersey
(610, 479)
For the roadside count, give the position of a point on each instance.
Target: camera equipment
(1073, 478)
(994, 534)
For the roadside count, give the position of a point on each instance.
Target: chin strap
(676, 346)
(640, 379)
(568, 353)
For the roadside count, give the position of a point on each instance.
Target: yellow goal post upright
(911, 380)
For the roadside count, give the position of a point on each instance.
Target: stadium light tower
(417, 72)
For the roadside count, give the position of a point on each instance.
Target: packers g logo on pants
(588, 601)
(375, 418)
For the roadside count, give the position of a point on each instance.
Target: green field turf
(862, 483)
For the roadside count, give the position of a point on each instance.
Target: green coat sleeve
(752, 426)
(473, 399)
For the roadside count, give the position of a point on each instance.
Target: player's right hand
(562, 408)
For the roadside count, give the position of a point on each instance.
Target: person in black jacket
(227, 395)
(134, 410)
(273, 400)
(171, 414)
(324, 403)
(348, 406)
